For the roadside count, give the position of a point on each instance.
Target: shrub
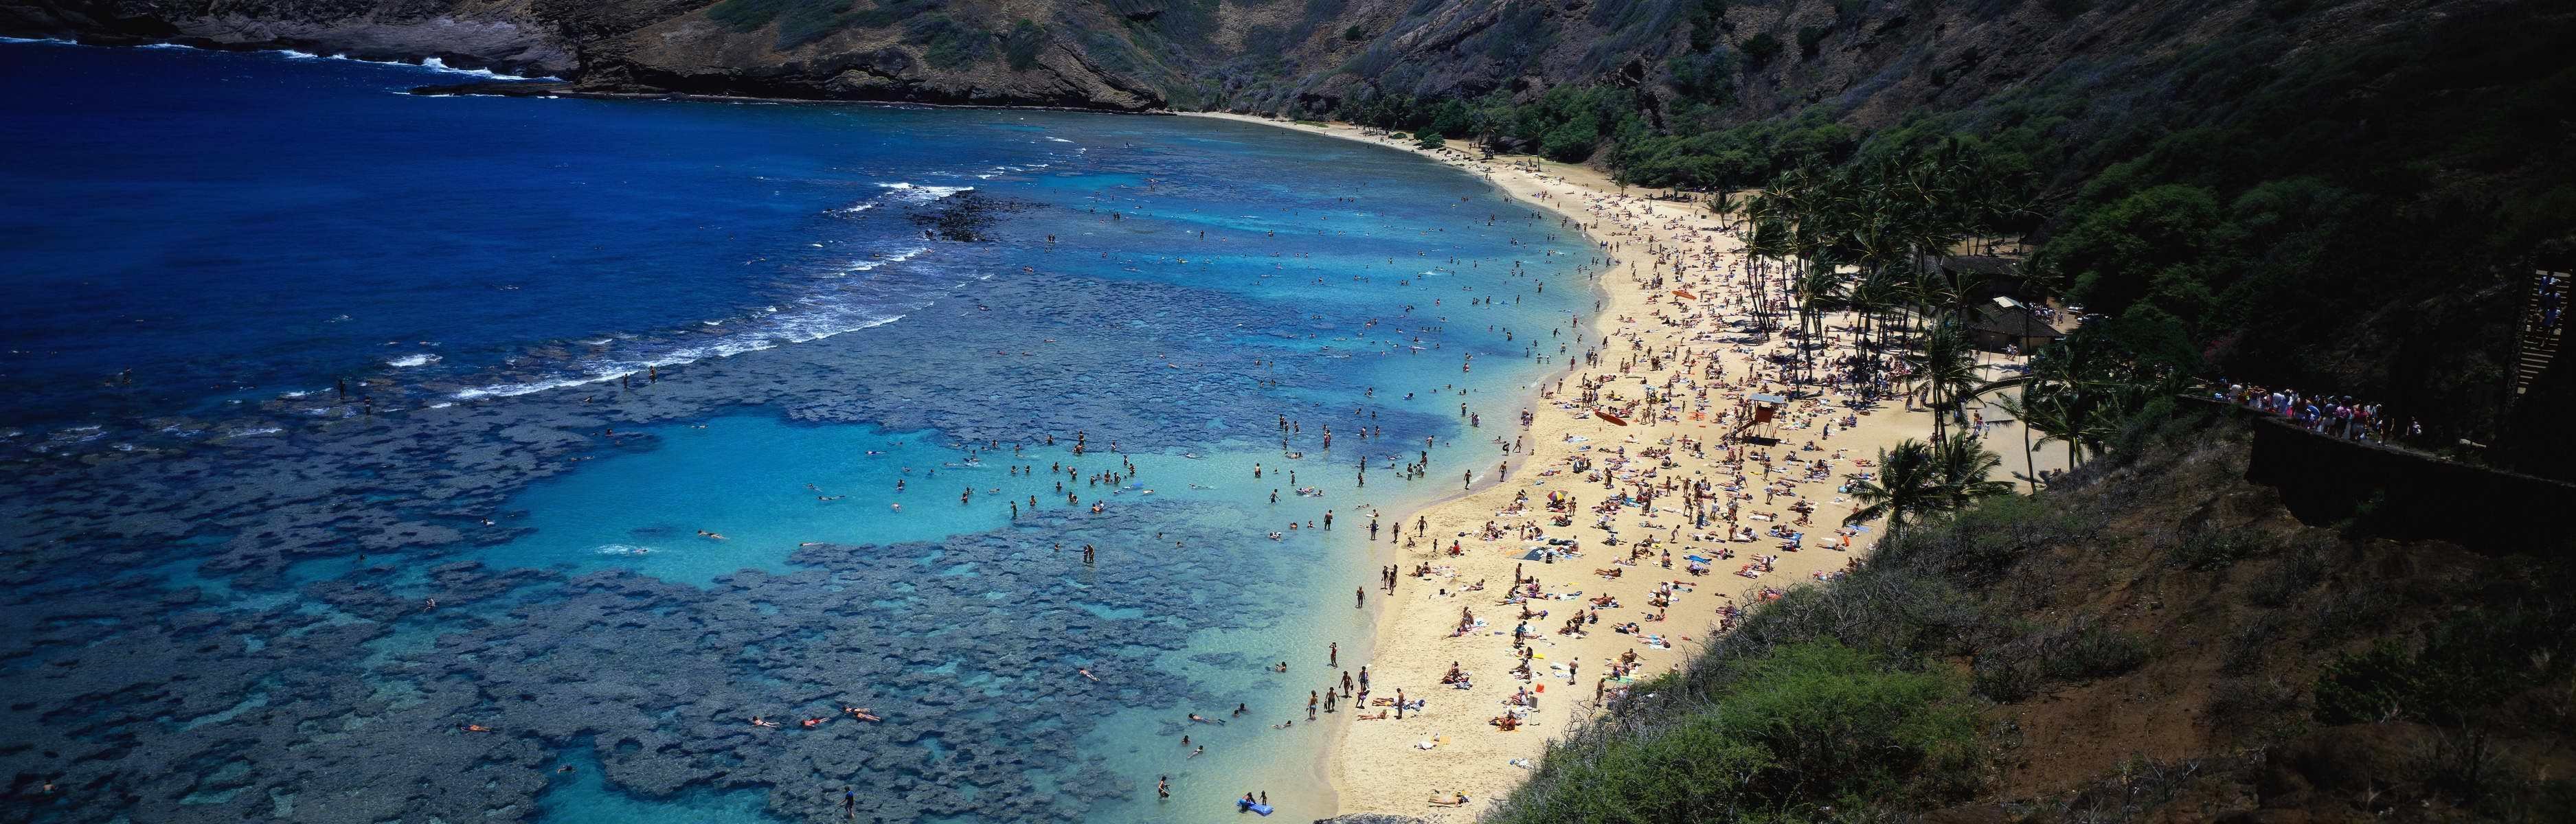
(1803, 726)
(2216, 549)
(2095, 652)
(1760, 48)
(2298, 571)
(1810, 37)
(2366, 686)
(950, 44)
(2079, 651)
(1020, 47)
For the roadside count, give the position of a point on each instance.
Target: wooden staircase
(2540, 338)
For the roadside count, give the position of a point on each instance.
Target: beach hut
(2007, 322)
(1995, 271)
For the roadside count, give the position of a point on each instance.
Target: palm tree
(1918, 480)
(1965, 469)
(1944, 371)
(1907, 486)
(1817, 291)
(2070, 395)
(1768, 240)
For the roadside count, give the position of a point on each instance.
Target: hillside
(2156, 640)
(1874, 61)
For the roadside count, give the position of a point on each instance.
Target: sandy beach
(1672, 304)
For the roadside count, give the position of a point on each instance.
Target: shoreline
(1659, 250)
(1383, 613)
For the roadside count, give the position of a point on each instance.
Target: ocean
(384, 456)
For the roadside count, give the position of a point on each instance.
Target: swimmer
(1086, 673)
(757, 721)
(477, 728)
(1202, 750)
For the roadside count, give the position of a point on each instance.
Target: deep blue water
(222, 608)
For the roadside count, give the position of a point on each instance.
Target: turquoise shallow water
(248, 565)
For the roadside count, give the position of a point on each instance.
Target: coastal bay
(613, 539)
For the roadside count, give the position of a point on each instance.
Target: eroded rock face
(1868, 63)
(504, 36)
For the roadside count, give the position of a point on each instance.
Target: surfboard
(1609, 417)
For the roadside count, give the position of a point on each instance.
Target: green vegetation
(1778, 737)
(805, 21)
(1429, 139)
(1904, 687)
(1809, 37)
(950, 44)
(1020, 47)
(2462, 674)
(2250, 219)
(1919, 480)
(1760, 49)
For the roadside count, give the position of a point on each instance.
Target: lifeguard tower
(1758, 417)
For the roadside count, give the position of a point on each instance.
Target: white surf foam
(920, 193)
(792, 330)
(437, 65)
(857, 266)
(408, 361)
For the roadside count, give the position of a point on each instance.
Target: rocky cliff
(1873, 60)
